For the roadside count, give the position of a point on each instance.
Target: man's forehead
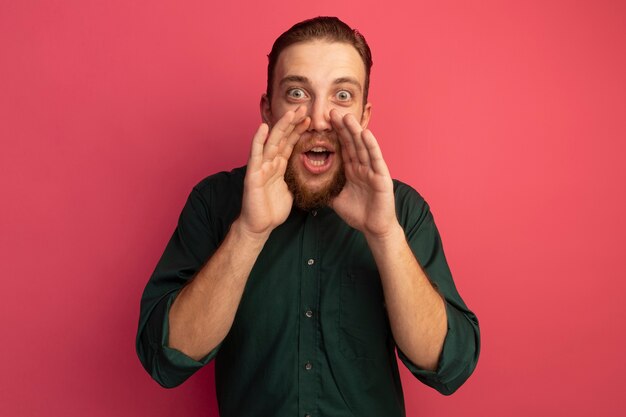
(334, 61)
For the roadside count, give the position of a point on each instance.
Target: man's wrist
(246, 236)
(393, 234)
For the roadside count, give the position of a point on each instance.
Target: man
(303, 272)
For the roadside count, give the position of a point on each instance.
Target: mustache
(308, 138)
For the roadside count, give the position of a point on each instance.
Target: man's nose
(320, 116)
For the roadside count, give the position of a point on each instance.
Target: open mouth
(318, 156)
(318, 159)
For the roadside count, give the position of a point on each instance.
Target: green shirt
(311, 335)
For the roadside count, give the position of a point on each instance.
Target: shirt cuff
(458, 357)
(173, 367)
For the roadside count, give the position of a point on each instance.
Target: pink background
(509, 117)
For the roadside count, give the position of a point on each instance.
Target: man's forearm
(203, 312)
(416, 311)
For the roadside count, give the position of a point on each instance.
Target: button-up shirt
(311, 334)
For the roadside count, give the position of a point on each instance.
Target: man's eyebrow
(294, 79)
(348, 80)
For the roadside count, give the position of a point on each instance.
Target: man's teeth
(318, 156)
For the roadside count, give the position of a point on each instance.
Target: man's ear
(266, 110)
(367, 113)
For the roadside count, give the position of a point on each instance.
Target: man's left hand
(366, 202)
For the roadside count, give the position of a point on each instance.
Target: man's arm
(416, 311)
(204, 310)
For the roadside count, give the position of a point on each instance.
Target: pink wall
(509, 117)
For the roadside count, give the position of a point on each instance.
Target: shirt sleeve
(462, 343)
(192, 243)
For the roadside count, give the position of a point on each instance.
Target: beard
(306, 199)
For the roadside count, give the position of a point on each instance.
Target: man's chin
(308, 199)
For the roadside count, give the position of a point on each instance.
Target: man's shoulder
(405, 193)
(222, 180)
(411, 208)
(221, 192)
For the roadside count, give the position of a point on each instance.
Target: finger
(294, 137)
(283, 128)
(348, 150)
(355, 129)
(375, 154)
(276, 134)
(258, 142)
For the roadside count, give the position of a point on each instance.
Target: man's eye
(296, 93)
(344, 95)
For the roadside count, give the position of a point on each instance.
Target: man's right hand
(204, 310)
(267, 200)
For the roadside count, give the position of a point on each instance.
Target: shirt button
(308, 366)
(314, 212)
(309, 313)
(310, 262)
(307, 415)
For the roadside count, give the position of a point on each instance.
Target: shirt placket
(309, 319)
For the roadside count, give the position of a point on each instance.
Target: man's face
(321, 76)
